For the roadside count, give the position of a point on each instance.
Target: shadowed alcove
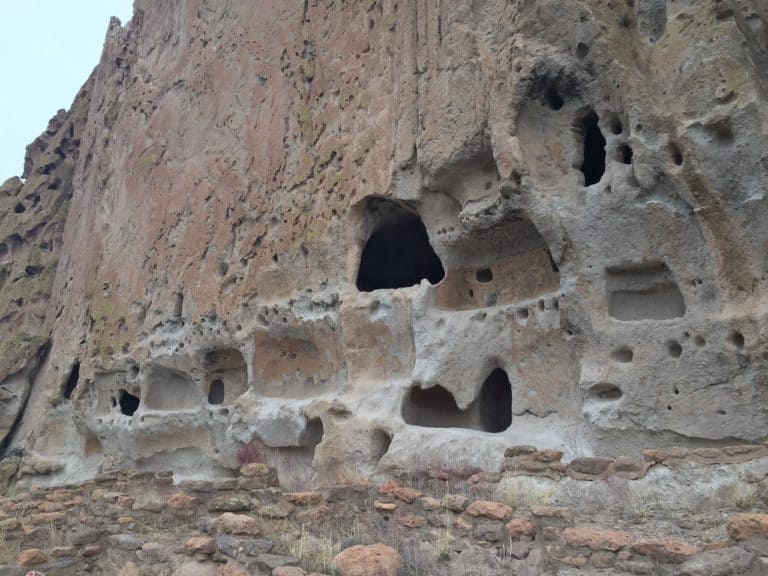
(398, 253)
(436, 407)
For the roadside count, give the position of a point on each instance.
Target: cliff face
(355, 237)
(32, 217)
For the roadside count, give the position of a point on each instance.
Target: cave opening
(313, 433)
(72, 379)
(398, 253)
(436, 407)
(216, 393)
(433, 407)
(227, 373)
(496, 402)
(128, 403)
(593, 165)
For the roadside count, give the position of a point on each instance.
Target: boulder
(373, 560)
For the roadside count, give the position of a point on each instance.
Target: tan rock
(384, 506)
(455, 502)
(746, 525)
(521, 450)
(463, 525)
(665, 550)
(595, 539)
(411, 520)
(430, 504)
(657, 455)
(520, 527)
(278, 511)
(125, 501)
(92, 549)
(200, 545)
(561, 512)
(45, 519)
(399, 491)
(240, 524)
(489, 509)
(31, 557)
(304, 498)
(254, 469)
(590, 466)
(182, 501)
(548, 455)
(374, 560)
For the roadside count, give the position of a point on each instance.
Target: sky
(48, 48)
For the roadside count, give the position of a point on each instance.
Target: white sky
(47, 50)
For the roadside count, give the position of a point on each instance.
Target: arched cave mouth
(216, 393)
(227, 375)
(593, 165)
(436, 407)
(72, 380)
(128, 403)
(496, 402)
(398, 253)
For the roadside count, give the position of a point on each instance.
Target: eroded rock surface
(357, 238)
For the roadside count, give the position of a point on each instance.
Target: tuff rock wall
(356, 237)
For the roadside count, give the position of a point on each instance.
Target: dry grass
(314, 553)
(522, 497)
(745, 496)
(130, 569)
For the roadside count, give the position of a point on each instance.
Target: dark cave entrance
(216, 393)
(398, 253)
(72, 379)
(496, 402)
(128, 403)
(593, 165)
(436, 407)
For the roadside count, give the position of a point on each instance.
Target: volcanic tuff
(354, 238)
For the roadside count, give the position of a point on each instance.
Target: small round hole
(674, 349)
(736, 339)
(522, 313)
(614, 124)
(605, 392)
(553, 98)
(699, 341)
(484, 275)
(541, 304)
(582, 50)
(675, 155)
